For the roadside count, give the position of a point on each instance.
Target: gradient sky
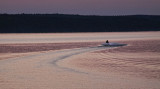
(83, 7)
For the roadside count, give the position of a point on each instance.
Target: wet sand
(81, 65)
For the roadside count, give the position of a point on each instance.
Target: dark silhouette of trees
(41, 23)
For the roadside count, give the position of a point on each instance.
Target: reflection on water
(75, 37)
(85, 68)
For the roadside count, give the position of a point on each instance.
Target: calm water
(75, 37)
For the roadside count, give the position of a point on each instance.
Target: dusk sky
(82, 7)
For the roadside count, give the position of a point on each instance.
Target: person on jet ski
(107, 41)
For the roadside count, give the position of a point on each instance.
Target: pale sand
(128, 67)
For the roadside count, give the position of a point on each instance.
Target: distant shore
(46, 23)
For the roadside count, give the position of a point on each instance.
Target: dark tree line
(40, 23)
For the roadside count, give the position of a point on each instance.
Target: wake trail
(50, 58)
(70, 53)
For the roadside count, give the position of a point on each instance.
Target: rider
(107, 41)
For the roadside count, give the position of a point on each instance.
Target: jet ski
(113, 44)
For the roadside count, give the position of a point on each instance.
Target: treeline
(41, 23)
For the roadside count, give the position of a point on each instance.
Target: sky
(82, 7)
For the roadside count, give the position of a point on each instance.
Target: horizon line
(75, 14)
